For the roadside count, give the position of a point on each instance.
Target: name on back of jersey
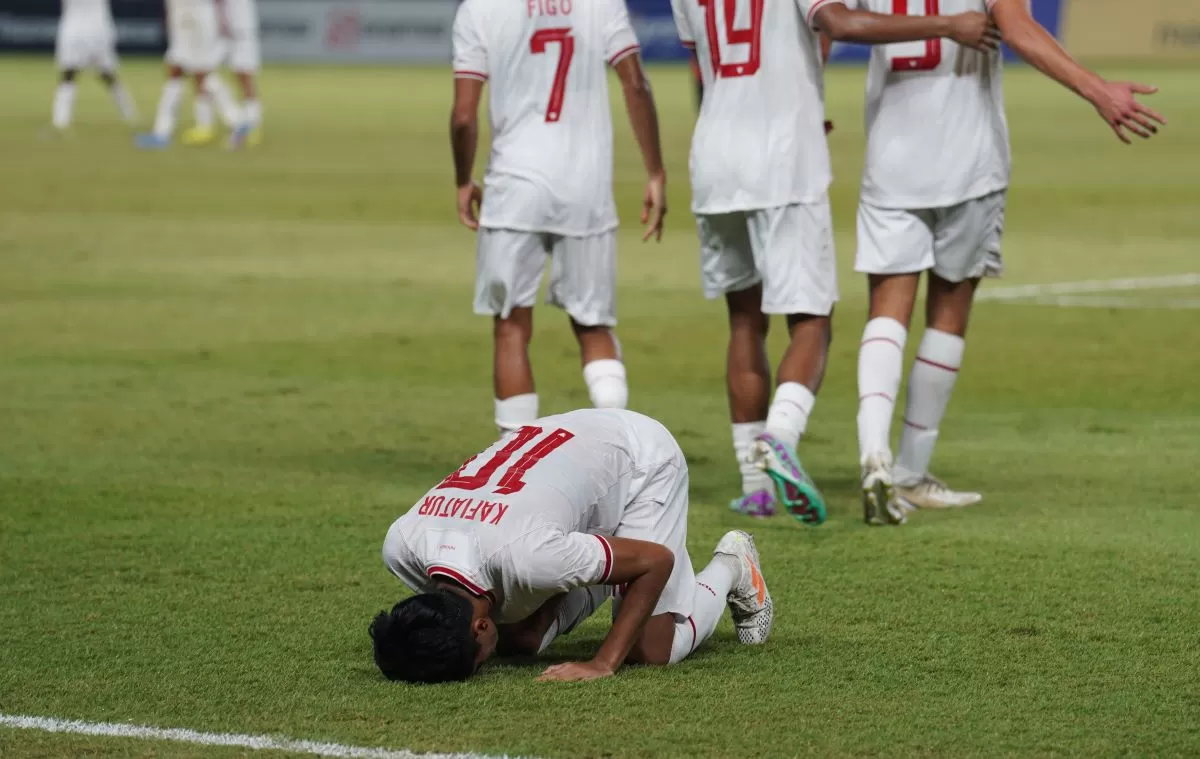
(548, 7)
(468, 509)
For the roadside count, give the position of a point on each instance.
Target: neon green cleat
(198, 137)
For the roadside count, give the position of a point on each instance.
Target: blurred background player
(194, 49)
(548, 186)
(933, 200)
(529, 537)
(87, 39)
(242, 51)
(760, 175)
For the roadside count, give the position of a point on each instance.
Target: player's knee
(606, 383)
(515, 329)
(68, 75)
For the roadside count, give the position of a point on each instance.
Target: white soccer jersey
(525, 519)
(936, 132)
(760, 139)
(544, 61)
(95, 8)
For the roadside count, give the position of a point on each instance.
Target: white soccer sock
(929, 387)
(253, 113)
(753, 478)
(880, 363)
(606, 384)
(579, 604)
(124, 102)
(168, 107)
(222, 97)
(712, 590)
(202, 110)
(516, 412)
(788, 417)
(64, 105)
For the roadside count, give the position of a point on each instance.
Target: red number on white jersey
(751, 36)
(512, 480)
(933, 47)
(566, 51)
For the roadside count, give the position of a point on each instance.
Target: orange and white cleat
(749, 600)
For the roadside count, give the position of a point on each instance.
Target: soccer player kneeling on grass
(529, 537)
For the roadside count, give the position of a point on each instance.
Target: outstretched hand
(576, 671)
(1117, 104)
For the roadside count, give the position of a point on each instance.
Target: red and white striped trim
(881, 340)
(812, 12)
(624, 53)
(458, 577)
(464, 74)
(608, 558)
(936, 365)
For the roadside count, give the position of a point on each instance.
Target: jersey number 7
(751, 36)
(511, 481)
(566, 51)
(933, 47)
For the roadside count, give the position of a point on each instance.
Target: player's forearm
(464, 140)
(844, 25)
(643, 117)
(637, 605)
(1038, 48)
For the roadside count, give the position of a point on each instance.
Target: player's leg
(583, 280)
(108, 64)
(727, 269)
(967, 248)
(894, 247)
(251, 105)
(508, 270)
(64, 100)
(793, 248)
(167, 111)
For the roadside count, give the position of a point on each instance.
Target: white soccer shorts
(658, 513)
(958, 243)
(243, 52)
(583, 273)
(84, 45)
(789, 249)
(194, 34)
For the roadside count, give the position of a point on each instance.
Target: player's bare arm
(843, 24)
(645, 567)
(643, 117)
(1116, 102)
(464, 141)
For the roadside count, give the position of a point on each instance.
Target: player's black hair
(426, 639)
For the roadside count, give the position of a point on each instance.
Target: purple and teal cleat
(795, 488)
(760, 504)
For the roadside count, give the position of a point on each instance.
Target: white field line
(1093, 301)
(1089, 287)
(181, 735)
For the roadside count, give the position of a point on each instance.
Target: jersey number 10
(511, 481)
(933, 47)
(566, 51)
(751, 36)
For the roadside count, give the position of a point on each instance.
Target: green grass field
(223, 376)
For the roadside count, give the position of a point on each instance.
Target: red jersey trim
(690, 45)
(608, 559)
(471, 75)
(624, 53)
(458, 577)
(812, 12)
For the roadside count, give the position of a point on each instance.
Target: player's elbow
(839, 23)
(462, 118)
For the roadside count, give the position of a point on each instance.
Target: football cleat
(198, 137)
(239, 136)
(931, 493)
(795, 488)
(152, 141)
(749, 600)
(880, 506)
(760, 503)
